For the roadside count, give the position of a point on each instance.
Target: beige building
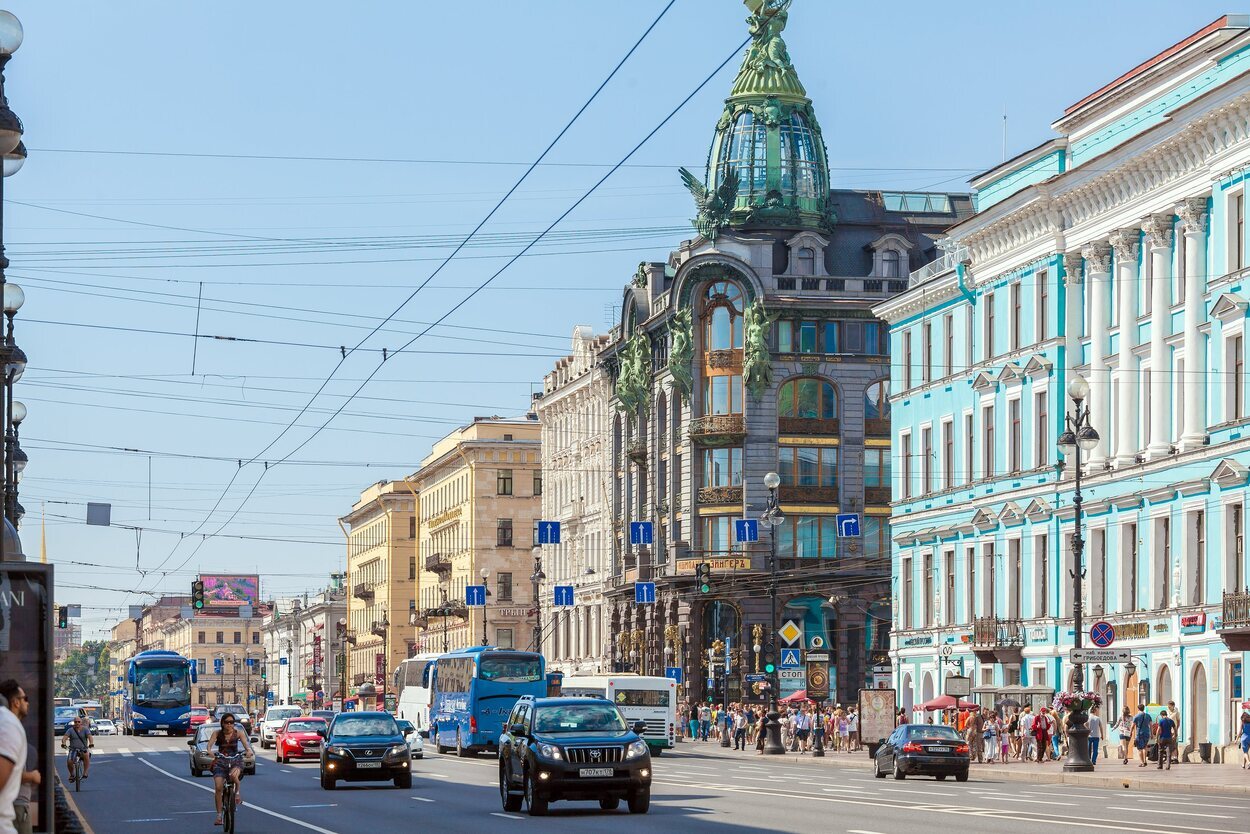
(480, 489)
(381, 534)
(121, 645)
(234, 640)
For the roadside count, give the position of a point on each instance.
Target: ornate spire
(766, 69)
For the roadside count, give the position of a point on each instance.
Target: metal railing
(949, 259)
(996, 631)
(1236, 609)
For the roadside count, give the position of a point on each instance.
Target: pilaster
(1194, 216)
(1127, 245)
(1097, 257)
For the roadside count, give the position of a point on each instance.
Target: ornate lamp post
(772, 515)
(485, 576)
(382, 629)
(537, 577)
(1079, 436)
(13, 153)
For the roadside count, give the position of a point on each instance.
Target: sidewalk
(1199, 778)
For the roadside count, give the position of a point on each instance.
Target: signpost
(1100, 655)
(673, 673)
(475, 595)
(791, 658)
(848, 525)
(746, 530)
(1102, 634)
(644, 593)
(548, 532)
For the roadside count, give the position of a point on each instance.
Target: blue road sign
(848, 525)
(269, 697)
(791, 659)
(640, 532)
(644, 593)
(756, 677)
(746, 530)
(475, 595)
(1102, 634)
(251, 661)
(281, 661)
(563, 595)
(673, 673)
(548, 532)
(217, 665)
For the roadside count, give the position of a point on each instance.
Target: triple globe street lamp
(774, 518)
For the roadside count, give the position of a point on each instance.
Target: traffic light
(263, 673)
(770, 667)
(703, 577)
(197, 594)
(62, 616)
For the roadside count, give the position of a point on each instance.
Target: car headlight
(636, 749)
(336, 751)
(549, 751)
(397, 750)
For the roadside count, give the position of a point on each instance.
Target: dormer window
(890, 259)
(890, 263)
(805, 262)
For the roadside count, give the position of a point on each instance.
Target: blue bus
(157, 694)
(474, 691)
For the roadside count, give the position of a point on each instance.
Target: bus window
(642, 697)
(510, 669)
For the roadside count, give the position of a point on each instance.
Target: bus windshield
(162, 686)
(510, 669)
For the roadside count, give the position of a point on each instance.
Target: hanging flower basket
(1077, 701)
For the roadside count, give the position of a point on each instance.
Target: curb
(69, 819)
(982, 774)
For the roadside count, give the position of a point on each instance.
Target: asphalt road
(144, 785)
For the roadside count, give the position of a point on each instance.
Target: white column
(1097, 272)
(1071, 315)
(1158, 230)
(1127, 245)
(1193, 213)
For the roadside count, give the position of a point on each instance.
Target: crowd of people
(743, 725)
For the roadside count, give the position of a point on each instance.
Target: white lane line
(152, 819)
(1204, 804)
(421, 798)
(437, 775)
(1161, 811)
(193, 812)
(860, 831)
(318, 805)
(125, 751)
(505, 816)
(275, 814)
(1034, 801)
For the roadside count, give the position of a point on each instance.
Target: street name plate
(1099, 655)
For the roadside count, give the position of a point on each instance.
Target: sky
(281, 176)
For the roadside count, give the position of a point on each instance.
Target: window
(877, 467)
(948, 352)
(744, 150)
(1237, 551)
(876, 540)
(722, 394)
(199, 637)
(718, 534)
(503, 638)
(1042, 543)
(255, 638)
(968, 449)
(948, 604)
(1237, 232)
(926, 459)
(876, 407)
(1163, 545)
(1016, 317)
(948, 454)
(987, 441)
(969, 331)
(890, 263)
(1129, 548)
(238, 637)
(990, 353)
(503, 586)
(876, 338)
(200, 666)
(970, 560)
(1015, 440)
(808, 537)
(1041, 429)
(907, 360)
(538, 482)
(1043, 304)
(503, 533)
(808, 466)
(808, 399)
(831, 337)
(930, 590)
(722, 311)
(800, 161)
(412, 567)
(722, 467)
(1015, 575)
(905, 439)
(1198, 595)
(1237, 382)
(905, 600)
(221, 637)
(926, 352)
(503, 485)
(785, 337)
(412, 527)
(807, 337)
(806, 261)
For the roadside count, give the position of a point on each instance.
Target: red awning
(801, 695)
(946, 702)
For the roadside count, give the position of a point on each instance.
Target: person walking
(973, 729)
(852, 722)
(1142, 726)
(13, 753)
(1013, 733)
(1042, 726)
(705, 720)
(1096, 733)
(1165, 732)
(30, 778)
(1026, 733)
(1124, 728)
(1245, 740)
(740, 729)
(1175, 715)
(989, 738)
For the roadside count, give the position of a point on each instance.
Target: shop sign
(688, 567)
(1162, 628)
(513, 612)
(919, 640)
(1217, 622)
(1038, 634)
(1194, 623)
(1132, 631)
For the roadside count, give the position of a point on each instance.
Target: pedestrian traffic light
(62, 617)
(197, 594)
(703, 577)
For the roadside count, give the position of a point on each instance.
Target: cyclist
(228, 763)
(79, 741)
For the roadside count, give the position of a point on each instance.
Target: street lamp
(382, 629)
(1078, 436)
(13, 153)
(537, 577)
(485, 576)
(772, 515)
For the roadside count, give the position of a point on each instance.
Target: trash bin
(1204, 751)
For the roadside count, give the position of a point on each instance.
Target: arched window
(722, 312)
(806, 261)
(876, 402)
(800, 160)
(890, 263)
(744, 148)
(810, 399)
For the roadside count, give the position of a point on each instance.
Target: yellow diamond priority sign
(790, 632)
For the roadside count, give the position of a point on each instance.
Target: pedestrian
(1124, 728)
(852, 726)
(1059, 741)
(1142, 726)
(14, 754)
(1013, 733)
(973, 730)
(1175, 715)
(802, 728)
(844, 731)
(989, 737)
(1165, 732)
(1245, 740)
(740, 729)
(705, 720)
(31, 777)
(1042, 726)
(1026, 733)
(1096, 734)
(683, 718)
(1004, 740)
(761, 735)
(693, 714)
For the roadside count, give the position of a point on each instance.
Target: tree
(84, 673)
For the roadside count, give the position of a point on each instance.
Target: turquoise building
(1116, 251)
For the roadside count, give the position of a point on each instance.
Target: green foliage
(77, 677)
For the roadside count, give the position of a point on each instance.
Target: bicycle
(75, 765)
(228, 792)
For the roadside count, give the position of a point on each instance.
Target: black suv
(364, 747)
(572, 748)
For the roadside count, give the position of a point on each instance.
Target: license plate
(369, 765)
(595, 771)
(162, 726)
(939, 749)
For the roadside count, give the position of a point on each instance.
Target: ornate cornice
(1097, 257)
(1158, 229)
(1127, 244)
(1071, 268)
(1194, 215)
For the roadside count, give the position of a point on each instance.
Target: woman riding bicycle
(228, 763)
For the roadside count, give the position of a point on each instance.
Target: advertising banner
(379, 669)
(877, 711)
(26, 624)
(230, 589)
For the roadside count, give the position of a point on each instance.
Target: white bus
(639, 698)
(412, 683)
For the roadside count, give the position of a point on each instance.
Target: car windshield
(198, 712)
(282, 714)
(366, 726)
(66, 712)
(225, 708)
(510, 669)
(935, 733)
(580, 718)
(304, 726)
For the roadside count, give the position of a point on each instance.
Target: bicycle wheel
(227, 809)
(77, 777)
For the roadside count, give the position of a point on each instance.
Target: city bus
(62, 702)
(639, 698)
(157, 693)
(93, 709)
(412, 688)
(474, 691)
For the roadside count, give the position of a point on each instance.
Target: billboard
(230, 589)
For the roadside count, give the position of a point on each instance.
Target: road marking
(699, 810)
(1204, 804)
(194, 812)
(505, 816)
(421, 798)
(125, 751)
(1161, 811)
(860, 831)
(318, 805)
(287, 770)
(153, 819)
(275, 814)
(437, 775)
(1035, 801)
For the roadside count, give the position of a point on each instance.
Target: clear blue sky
(910, 95)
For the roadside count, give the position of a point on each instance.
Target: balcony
(877, 496)
(1235, 620)
(997, 640)
(720, 495)
(808, 426)
(363, 590)
(637, 452)
(877, 427)
(438, 563)
(718, 429)
(808, 495)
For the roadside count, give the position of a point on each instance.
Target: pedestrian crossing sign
(790, 659)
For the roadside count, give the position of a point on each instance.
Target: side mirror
(517, 729)
(640, 727)
(190, 742)
(881, 741)
(424, 733)
(323, 732)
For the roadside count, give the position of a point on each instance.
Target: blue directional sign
(644, 593)
(1102, 634)
(269, 697)
(218, 663)
(848, 525)
(746, 530)
(281, 661)
(791, 659)
(475, 595)
(548, 532)
(251, 661)
(756, 677)
(673, 673)
(563, 595)
(640, 532)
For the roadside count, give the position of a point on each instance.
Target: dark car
(365, 747)
(924, 749)
(572, 748)
(327, 714)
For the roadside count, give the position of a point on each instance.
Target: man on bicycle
(228, 764)
(79, 741)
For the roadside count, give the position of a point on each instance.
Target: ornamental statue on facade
(681, 353)
(713, 206)
(757, 360)
(634, 381)
(768, 49)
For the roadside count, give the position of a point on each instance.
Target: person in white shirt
(1026, 734)
(12, 763)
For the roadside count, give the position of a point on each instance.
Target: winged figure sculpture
(714, 206)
